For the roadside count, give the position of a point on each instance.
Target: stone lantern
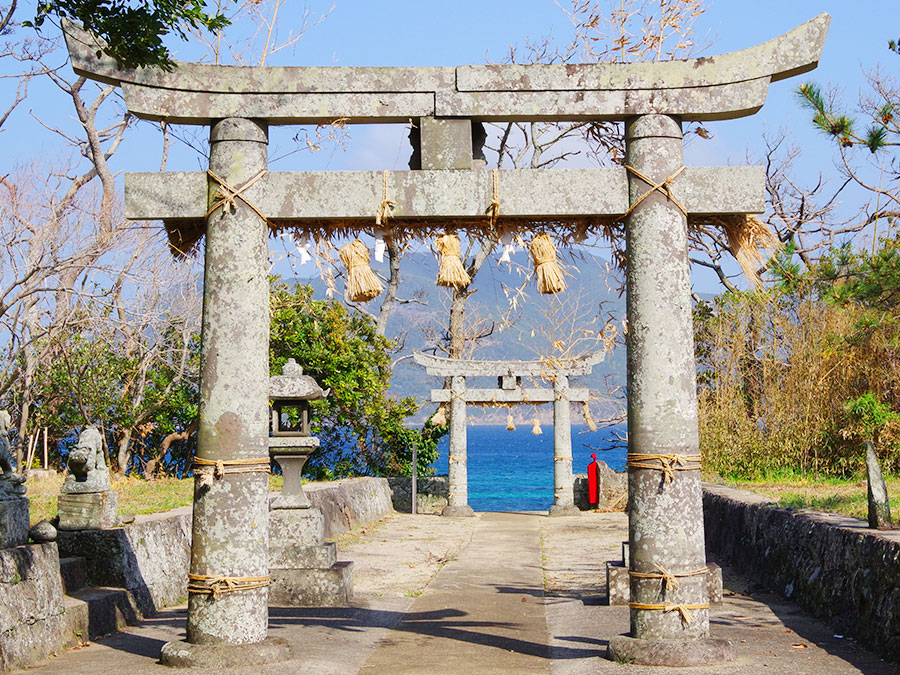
(291, 445)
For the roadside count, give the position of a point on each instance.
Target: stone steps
(91, 611)
(106, 610)
(76, 622)
(74, 574)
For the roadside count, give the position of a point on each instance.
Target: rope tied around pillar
(220, 585)
(668, 464)
(386, 207)
(669, 579)
(493, 209)
(684, 609)
(663, 187)
(227, 195)
(218, 468)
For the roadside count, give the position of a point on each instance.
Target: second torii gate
(237, 201)
(509, 390)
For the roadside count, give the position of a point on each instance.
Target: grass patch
(137, 496)
(847, 496)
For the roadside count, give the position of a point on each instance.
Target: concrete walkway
(500, 593)
(487, 603)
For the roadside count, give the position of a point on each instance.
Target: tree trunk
(124, 455)
(387, 305)
(456, 328)
(151, 465)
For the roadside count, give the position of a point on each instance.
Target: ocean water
(513, 470)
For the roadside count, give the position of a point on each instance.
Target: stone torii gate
(509, 389)
(237, 201)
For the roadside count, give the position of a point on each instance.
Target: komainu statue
(11, 483)
(87, 469)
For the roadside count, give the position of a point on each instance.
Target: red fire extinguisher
(593, 491)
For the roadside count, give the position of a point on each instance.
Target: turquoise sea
(513, 470)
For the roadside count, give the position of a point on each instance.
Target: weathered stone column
(230, 521)
(563, 495)
(458, 499)
(669, 621)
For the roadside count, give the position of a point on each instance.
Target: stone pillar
(665, 517)
(458, 499)
(563, 495)
(231, 516)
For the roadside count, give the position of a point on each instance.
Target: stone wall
(31, 605)
(350, 503)
(150, 557)
(835, 567)
(431, 493)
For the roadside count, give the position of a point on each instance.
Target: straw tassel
(439, 418)
(451, 271)
(362, 284)
(588, 418)
(536, 427)
(748, 239)
(510, 425)
(549, 274)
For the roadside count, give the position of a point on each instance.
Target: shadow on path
(446, 623)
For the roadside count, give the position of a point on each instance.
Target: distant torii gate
(237, 201)
(509, 390)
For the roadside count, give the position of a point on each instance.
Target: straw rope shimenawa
(683, 609)
(219, 585)
(451, 271)
(747, 236)
(668, 464)
(549, 275)
(218, 468)
(362, 284)
(669, 579)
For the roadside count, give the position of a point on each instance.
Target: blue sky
(402, 32)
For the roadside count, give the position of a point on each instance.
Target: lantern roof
(292, 384)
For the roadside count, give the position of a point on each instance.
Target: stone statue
(11, 483)
(87, 469)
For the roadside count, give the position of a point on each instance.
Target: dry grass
(833, 496)
(137, 496)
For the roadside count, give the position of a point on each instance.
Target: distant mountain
(522, 330)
